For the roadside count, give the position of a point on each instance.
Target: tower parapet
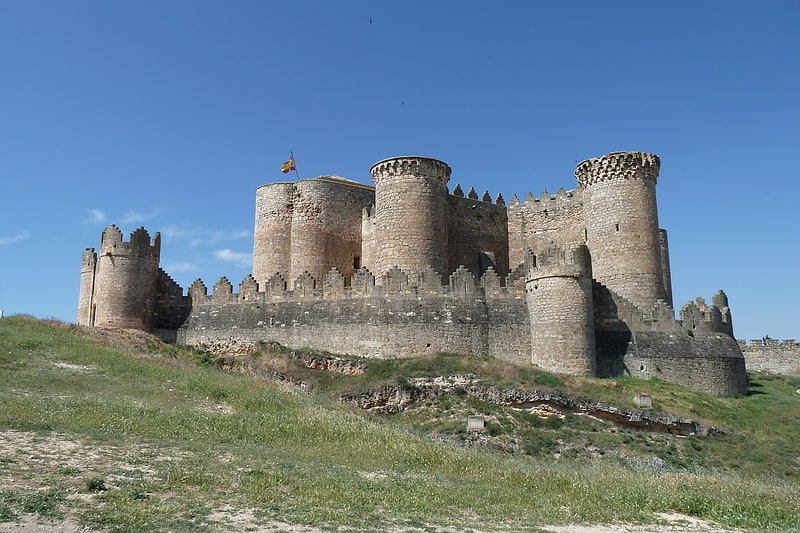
(410, 196)
(618, 165)
(559, 295)
(621, 219)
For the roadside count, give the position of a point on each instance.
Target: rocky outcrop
(393, 399)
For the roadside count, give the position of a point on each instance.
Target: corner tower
(622, 224)
(118, 287)
(559, 294)
(410, 214)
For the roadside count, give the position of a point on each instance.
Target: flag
(288, 166)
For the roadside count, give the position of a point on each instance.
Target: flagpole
(295, 165)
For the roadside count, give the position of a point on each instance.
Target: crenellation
(304, 285)
(198, 290)
(333, 284)
(248, 288)
(577, 281)
(222, 291)
(772, 355)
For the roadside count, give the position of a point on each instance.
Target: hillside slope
(120, 432)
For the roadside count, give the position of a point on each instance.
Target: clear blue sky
(169, 114)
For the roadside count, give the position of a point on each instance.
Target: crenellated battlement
(772, 355)
(410, 166)
(770, 343)
(473, 195)
(699, 316)
(139, 244)
(560, 261)
(546, 202)
(363, 283)
(618, 165)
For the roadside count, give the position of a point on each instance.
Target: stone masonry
(577, 282)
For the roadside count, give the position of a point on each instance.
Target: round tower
(85, 304)
(410, 214)
(272, 236)
(622, 224)
(125, 279)
(559, 295)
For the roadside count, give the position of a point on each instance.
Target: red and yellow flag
(288, 166)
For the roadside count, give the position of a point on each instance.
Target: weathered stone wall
(410, 214)
(772, 356)
(709, 362)
(538, 221)
(622, 224)
(406, 324)
(477, 235)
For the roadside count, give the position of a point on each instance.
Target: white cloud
(180, 268)
(21, 236)
(214, 237)
(196, 237)
(96, 216)
(239, 258)
(133, 217)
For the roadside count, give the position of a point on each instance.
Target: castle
(577, 282)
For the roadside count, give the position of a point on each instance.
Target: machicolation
(577, 282)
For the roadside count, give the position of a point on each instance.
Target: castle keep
(577, 282)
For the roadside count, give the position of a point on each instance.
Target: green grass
(156, 438)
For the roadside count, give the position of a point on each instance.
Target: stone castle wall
(772, 356)
(477, 234)
(399, 317)
(409, 316)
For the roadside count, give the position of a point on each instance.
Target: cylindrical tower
(622, 224)
(272, 237)
(326, 226)
(125, 279)
(666, 270)
(410, 214)
(85, 297)
(560, 305)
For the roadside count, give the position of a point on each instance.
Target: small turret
(559, 294)
(118, 287)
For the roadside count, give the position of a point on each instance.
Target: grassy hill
(117, 431)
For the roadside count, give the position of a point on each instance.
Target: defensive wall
(401, 315)
(772, 356)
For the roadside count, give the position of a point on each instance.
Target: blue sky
(168, 114)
